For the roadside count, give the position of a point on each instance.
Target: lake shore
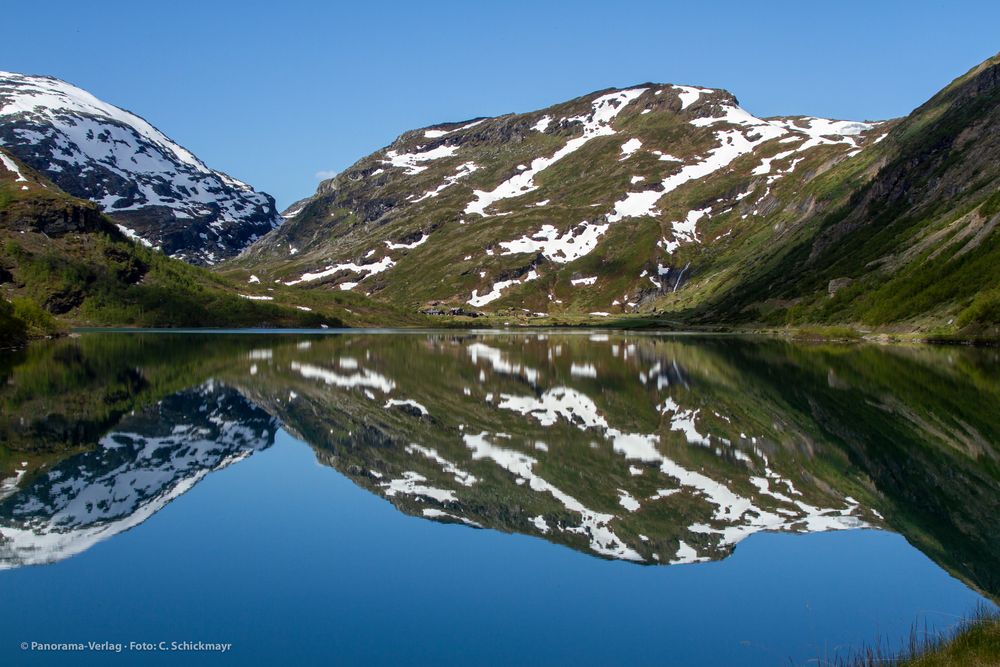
(819, 334)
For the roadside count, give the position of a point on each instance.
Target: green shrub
(36, 320)
(13, 330)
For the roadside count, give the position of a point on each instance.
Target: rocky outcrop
(53, 217)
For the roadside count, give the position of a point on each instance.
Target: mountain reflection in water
(658, 450)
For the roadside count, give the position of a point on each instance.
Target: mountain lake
(490, 497)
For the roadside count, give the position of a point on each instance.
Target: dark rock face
(147, 183)
(52, 217)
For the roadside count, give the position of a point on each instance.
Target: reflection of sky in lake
(287, 559)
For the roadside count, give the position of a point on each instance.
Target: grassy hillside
(678, 208)
(532, 213)
(915, 247)
(64, 264)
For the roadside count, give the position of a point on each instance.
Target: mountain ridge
(915, 237)
(568, 213)
(660, 203)
(583, 122)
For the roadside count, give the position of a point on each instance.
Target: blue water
(292, 563)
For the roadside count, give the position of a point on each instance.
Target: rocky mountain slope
(609, 203)
(670, 202)
(917, 238)
(154, 189)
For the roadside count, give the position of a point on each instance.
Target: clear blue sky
(275, 92)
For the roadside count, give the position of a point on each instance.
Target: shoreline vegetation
(972, 642)
(22, 320)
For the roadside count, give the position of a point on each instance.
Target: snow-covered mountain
(609, 203)
(150, 459)
(520, 435)
(156, 190)
(670, 202)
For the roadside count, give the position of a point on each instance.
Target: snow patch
(630, 147)
(368, 270)
(12, 167)
(689, 94)
(496, 291)
(564, 247)
(595, 124)
(411, 163)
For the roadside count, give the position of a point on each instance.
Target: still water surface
(463, 498)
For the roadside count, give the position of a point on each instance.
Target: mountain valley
(656, 205)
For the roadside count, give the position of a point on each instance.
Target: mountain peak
(468, 213)
(153, 187)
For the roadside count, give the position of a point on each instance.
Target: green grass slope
(915, 247)
(783, 221)
(60, 258)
